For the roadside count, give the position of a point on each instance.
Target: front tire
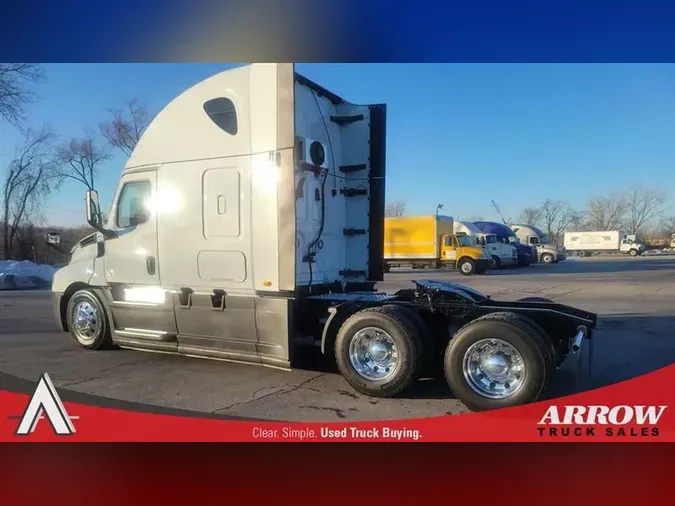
(467, 266)
(379, 351)
(87, 321)
(547, 258)
(633, 252)
(495, 363)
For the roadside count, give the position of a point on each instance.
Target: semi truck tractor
(429, 241)
(249, 223)
(503, 255)
(547, 252)
(527, 255)
(610, 241)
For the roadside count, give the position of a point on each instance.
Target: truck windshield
(465, 240)
(491, 239)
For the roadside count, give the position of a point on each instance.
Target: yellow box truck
(429, 241)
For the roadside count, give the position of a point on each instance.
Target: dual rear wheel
(498, 360)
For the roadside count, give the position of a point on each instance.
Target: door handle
(150, 265)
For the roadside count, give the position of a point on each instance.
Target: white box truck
(608, 241)
(249, 222)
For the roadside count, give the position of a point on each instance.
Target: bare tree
(395, 209)
(643, 206)
(26, 240)
(578, 223)
(667, 226)
(531, 216)
(606, 213)
(127, 125)
(29, 179)
(556, 217)
(80, 159)
(15, 93)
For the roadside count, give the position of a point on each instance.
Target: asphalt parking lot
(634, 296)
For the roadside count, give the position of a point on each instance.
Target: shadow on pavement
(590, 267)
(625, 346)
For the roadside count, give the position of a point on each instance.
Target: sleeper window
(223, 113)
(132, 206)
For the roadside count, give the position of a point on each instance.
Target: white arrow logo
(46, 400)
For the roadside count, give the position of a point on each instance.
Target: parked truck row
(248, 223)
(438, 241)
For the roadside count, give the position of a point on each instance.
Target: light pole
(438, 208)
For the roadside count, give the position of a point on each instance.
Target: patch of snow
(25, 275)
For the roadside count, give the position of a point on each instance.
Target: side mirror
(53, 238)
(94, 215)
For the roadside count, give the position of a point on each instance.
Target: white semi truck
(503, 255)
(547, 252)
(249, 222)
(608, 241)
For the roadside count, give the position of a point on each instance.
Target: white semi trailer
(608, 241)
(249, 222)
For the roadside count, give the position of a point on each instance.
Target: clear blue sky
(460, 135)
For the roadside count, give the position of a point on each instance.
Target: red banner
(636, 410)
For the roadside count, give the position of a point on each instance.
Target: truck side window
(223, 113)
(132, 206)
(447, 241)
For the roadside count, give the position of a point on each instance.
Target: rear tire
(545, 342)
(87, 321)
(368, 364)
(467, 266)
(510, 345)
(426, 338)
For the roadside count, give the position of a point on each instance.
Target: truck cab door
(140, 308)
(131, 258)
(449, 248)
(494, 249)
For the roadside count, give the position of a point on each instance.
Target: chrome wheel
(373, 354)
(494, 368)
(466, 267)
(86, 322)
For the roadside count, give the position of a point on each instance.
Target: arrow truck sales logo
(45, 401)
(594, 420)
